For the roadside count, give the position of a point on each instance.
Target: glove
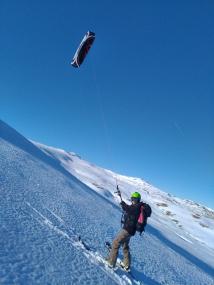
(118, 191)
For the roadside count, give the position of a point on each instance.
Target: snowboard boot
(108, 262)
(125, 267)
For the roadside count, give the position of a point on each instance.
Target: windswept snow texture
(49, 197)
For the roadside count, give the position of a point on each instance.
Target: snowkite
(83, 49)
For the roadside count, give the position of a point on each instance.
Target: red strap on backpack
(141, 216)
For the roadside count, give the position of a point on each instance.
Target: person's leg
(120, 239)
(126, 254)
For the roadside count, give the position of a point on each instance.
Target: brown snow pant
(123, 239)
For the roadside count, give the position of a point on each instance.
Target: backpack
(145, 212)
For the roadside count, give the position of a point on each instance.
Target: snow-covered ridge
(50, 197)
(191, 220)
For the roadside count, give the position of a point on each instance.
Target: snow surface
(49, 197)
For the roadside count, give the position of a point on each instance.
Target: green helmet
(136, 195)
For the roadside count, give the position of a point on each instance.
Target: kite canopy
(83, 49)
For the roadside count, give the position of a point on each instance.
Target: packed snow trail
(77, 242)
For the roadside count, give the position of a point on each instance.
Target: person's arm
(124, 206)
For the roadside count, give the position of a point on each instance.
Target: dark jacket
(131, 215)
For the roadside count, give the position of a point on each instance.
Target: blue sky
(142, 102)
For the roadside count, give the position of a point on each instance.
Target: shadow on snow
(199, 263)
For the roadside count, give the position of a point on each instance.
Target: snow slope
(49, 197)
